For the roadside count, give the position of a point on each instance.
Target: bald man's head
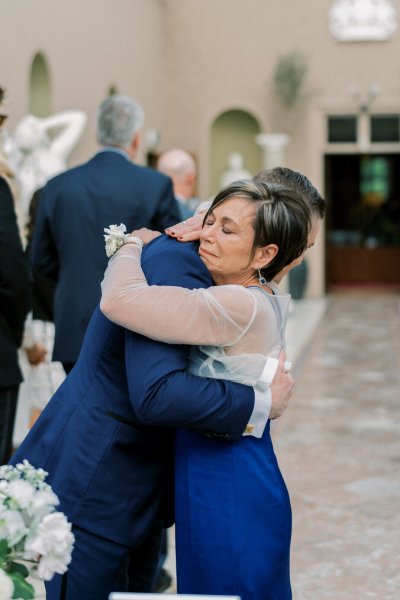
(180, 166)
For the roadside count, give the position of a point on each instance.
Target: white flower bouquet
(34, 537)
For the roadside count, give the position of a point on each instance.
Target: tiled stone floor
(338, 445)
(339, 449)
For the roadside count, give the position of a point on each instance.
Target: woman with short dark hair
(233, 516)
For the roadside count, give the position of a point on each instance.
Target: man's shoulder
(149, 174)
(109, 156)
(103, 162)
(167, 258)
(62, 178)
(165, 245)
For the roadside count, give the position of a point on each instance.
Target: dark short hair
(297, 182)
(281, 217)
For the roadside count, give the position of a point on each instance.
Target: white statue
(235, 171)
(40, 148)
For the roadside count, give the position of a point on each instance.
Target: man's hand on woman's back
(281, 388)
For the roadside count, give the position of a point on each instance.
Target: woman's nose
(207, 233)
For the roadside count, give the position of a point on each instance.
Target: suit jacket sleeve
(44, 253)
(15, 277)
(161, 391)
(168, 212)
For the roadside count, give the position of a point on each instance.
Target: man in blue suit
(106, 437)
(75, 207)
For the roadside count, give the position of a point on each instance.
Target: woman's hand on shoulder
(188, 230)
(146, 235)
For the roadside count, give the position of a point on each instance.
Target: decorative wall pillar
(273, 145)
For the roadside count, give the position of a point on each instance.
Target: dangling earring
(261, 278)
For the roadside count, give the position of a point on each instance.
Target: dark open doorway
(363, 220)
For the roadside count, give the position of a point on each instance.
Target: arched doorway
(233, 131)
(40, 87)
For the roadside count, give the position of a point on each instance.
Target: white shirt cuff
(260, 414)
(263, 399)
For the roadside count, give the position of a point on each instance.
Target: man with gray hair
(180, 166)
(78, 204)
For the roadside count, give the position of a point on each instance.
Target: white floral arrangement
(115, 237)
(35, 539)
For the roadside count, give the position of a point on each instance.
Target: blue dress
(233, 518)
(232, 508)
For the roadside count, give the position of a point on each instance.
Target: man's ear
(134, 147)
(190, 178)
(264, 256)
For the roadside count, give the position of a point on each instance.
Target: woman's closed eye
(224, 228)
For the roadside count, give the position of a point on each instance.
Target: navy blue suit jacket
(68, 243)
(106, 436)
(15, 290)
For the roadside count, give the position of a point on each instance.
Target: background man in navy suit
(76, 206)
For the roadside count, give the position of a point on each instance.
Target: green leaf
(3, 548)
(19, 568)
(22, 588)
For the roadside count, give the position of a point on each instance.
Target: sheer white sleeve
(234, 331)
(217, 316)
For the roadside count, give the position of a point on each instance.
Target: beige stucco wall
(89, 45)
(222, 55)
(187, 61)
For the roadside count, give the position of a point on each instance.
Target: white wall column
(273, 145)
